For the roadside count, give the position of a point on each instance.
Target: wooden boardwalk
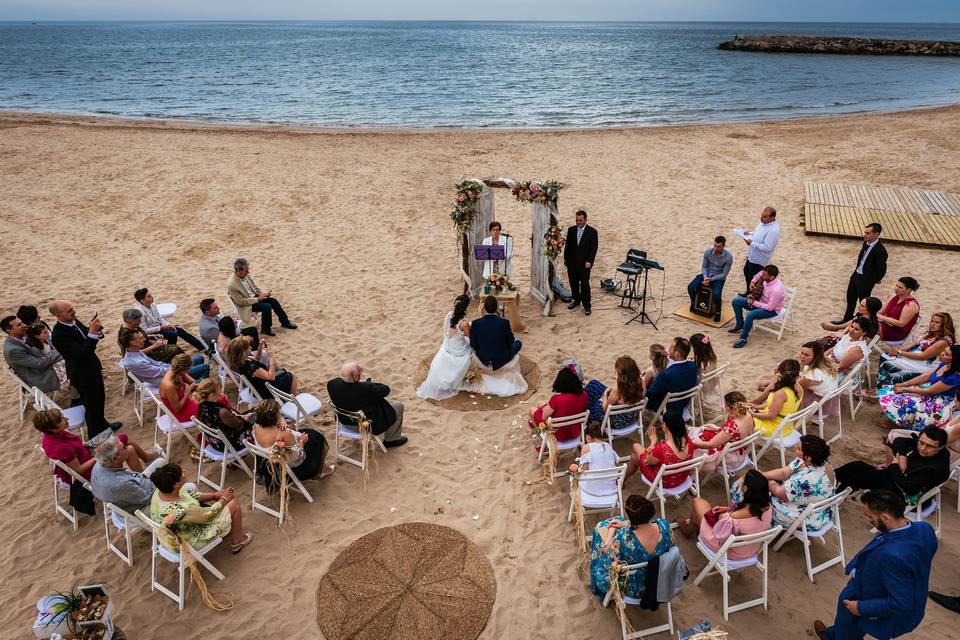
(926, 218)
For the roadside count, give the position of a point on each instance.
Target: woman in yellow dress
(779, 398)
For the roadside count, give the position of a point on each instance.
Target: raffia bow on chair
(364, 427)
(580, 518)
(172, 539)
(616, 568)
(277, 464)
(550, 464)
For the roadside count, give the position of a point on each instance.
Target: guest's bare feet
(327, 470)
(686, 527)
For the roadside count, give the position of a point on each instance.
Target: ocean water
(455, 74)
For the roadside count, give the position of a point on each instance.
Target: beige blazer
(241, 299)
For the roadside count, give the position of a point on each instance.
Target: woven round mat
(413, 580)
(465, 401)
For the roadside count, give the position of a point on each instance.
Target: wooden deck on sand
(926, 218)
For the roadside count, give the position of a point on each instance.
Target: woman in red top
(59, 444)
(569, 399)
(901, 312)
(176, 389)
(673, 447)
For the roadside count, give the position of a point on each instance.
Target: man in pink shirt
(764, 300)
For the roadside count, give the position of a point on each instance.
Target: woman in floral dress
(917, 356)
(921, 401)
(738, 425)
(630, 541)
(807, 479)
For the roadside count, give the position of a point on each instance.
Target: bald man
(351, 393)
(77, 343)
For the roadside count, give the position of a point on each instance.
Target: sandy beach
(350, 230)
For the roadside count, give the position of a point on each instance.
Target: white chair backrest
(690, 465)
(44, 401)
(23, 385)
(162, 407)
(714, 373)
(341, 414)
(147, 521)
(743, 444)
(675, 396)
(796, 419)
(212, 434)
(283, 397)
(826, 504)
(763, 538)
(591, 475)
(73, 474)
(621, 409)
(578, 418)
(791, 293)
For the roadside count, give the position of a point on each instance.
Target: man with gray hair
(111, 482)
(351, 393)
(248, 298)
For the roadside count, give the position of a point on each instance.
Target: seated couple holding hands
(485, 348)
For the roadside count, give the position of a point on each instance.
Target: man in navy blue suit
(491, 337)
(680, 375)
(889, 578)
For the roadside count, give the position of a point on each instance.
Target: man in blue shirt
(713, 273)
(889, 578)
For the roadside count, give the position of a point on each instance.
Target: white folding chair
(260, 452)
(747, 449)
(123, 522)
(25, 394)
(798, 529)
(627, 571)
(778, 323)
(599, 503)
(692, 484)
(209, 435)
(623, 432)
(690, 411)
(298, 409)
(246, 394)
(59, 485)
(346, 422)
(853, 389)
(797, 420)
(933, 500)
(168, 424)
(871, 346)
(720, 563)
(138, 395)
(176, 558)
(167, 309)
(76, 416)
(565, 445)
(841, 390)
(708, 377)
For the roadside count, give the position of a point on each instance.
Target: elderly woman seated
(806, 480)
(241, 360)
(629, 541)
(59, 444)
(918, 355)
(752, 513)
(154, 346)
(187, 515)
(923, 400)
(305, 449)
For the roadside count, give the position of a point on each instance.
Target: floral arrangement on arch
(542, 192)
(500, 281)
(464, 206)
(553, 242)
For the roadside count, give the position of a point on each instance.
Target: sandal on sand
(247, 538)
(324, 474)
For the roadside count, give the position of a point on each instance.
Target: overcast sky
(734, 10)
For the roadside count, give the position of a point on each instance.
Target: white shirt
(865, 254)
(600, 456)
(763, 241)
(825, 382)
(505, 268)
(580, 233)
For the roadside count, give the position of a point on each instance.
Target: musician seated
(496, 238)
(714, 269)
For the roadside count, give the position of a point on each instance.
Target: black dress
(283, 379)
(209, 414)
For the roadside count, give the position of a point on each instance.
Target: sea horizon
(451, 74)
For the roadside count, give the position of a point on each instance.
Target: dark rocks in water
(848, 46)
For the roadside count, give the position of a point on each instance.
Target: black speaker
(703, 302)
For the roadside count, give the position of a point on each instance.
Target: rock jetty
(850, 46)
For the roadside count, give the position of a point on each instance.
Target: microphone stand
(642, 314)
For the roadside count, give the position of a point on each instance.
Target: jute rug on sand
(413, 580)
(465, 401)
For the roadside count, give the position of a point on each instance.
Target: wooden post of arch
(541, 267)
(470, 268)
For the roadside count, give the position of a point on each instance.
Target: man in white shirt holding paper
(761, 242)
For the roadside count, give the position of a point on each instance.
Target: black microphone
(506, 234)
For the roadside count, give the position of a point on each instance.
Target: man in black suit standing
(579, 252)
(492, 338)
(77, 344)
(871, 267)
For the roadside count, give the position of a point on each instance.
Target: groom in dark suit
(491, 337)
(870, 269)
(579, 252)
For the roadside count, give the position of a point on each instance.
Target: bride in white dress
(453, 360)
